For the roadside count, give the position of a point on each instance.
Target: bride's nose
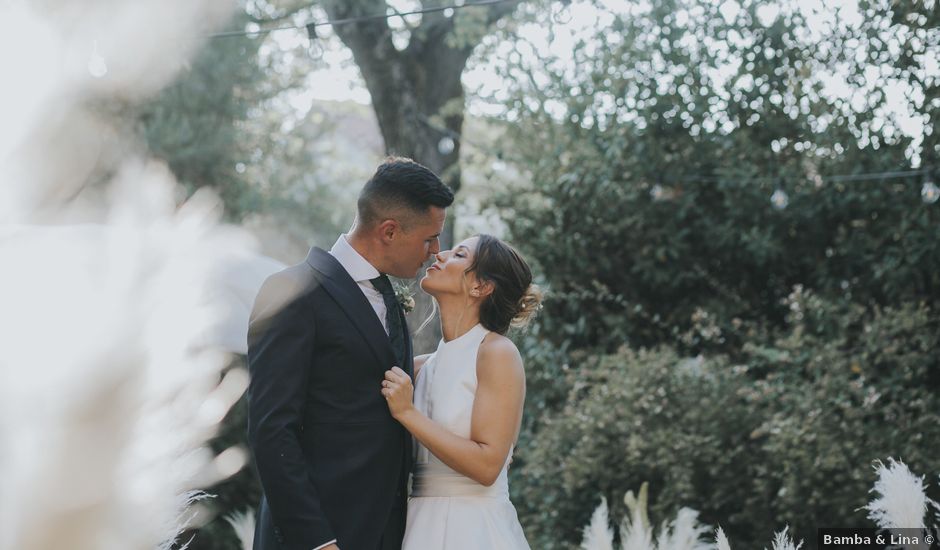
(440, 255)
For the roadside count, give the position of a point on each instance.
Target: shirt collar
(358, 267)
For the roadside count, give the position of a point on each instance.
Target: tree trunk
(411, 89)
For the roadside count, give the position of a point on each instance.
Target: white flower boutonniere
(405, 297)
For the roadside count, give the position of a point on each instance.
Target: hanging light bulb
(780, 199)
(97, 66)
(315, 49)
(446, 145)
(657, 192)
(929, 193)
(449, 12)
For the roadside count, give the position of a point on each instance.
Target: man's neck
(362, 246)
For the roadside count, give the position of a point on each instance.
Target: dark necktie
(392, 317)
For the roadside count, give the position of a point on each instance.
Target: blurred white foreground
(118, 306)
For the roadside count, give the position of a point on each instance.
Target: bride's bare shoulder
(499, 356)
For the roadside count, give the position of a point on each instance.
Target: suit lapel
(354, 304)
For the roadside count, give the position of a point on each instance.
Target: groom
(333, 463)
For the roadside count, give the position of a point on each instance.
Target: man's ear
(388, 229)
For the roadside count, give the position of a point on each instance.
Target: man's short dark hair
(401, 184)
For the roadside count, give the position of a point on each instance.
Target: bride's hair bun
(529, 305)
(514, 299)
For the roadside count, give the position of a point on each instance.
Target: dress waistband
(424, 485)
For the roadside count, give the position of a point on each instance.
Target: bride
(467, 401)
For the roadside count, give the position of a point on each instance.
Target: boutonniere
(405, 297)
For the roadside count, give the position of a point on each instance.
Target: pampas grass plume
(598, 534)
(635, 532)
(685, 533)
(244, 525)
(902, 502)
(782, 541)
(721, 541)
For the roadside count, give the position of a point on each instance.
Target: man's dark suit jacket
(333, 463)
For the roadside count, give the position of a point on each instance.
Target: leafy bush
(784, 436)
(633, 417)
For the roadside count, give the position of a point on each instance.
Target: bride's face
(448, 274)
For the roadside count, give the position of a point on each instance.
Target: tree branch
(397, 12)
(370, 38)
(497, 11)
(429, 42)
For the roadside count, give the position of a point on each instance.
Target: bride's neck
(457, 319)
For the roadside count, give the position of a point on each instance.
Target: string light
(817, 179)
(929, 193)
(458, 4)
(446, 145)
(316, 51)
(657, 192)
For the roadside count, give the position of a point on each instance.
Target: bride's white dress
(447, 510)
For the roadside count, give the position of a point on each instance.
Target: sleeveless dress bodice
(447, 509)
(444, 393)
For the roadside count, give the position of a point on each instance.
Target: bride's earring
(474, 293)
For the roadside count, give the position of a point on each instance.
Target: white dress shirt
(361, 271)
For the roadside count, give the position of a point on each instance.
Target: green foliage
(224, 124)
(196, 124)
(672, 170)
(786, 436)
(645, 203)
(632, 417)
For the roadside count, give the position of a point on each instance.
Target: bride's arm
(496, 416)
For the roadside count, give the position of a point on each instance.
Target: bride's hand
(398, 391)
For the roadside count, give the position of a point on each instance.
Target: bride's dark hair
(514, 299)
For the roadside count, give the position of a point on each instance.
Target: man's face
(415, 246)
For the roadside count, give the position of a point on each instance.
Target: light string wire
(348, 20)
(311, 26)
